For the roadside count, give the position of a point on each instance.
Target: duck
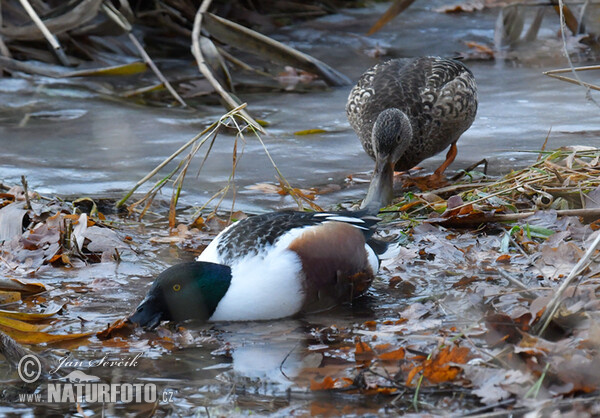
(269, 266)
(406, 110)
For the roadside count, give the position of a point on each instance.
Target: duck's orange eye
(176, 287)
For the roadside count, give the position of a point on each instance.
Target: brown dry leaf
(503, 328)
(22, 286)
(329, 383)
(504, 258)
(479, 51)
(465, 281)
(363, 353)
(291, 77)
(394, 355)
(120, 328)
(442, 368)
(439, 370)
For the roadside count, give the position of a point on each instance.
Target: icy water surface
(68, 141)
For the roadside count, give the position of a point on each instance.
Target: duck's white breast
(265, 285)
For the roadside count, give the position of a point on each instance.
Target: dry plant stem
(554, 304)
(511, 217)
(47, 34)
(231, 103)
(156, 71)
(172, 156)
(122, 21)
(25, 189)
(284, 183)
(3, 48)
(588, 94)
(499, 192)
(568, 70)
(573, 81)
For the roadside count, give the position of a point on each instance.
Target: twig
(156, 71)
(3, 48)
(588, 94)
(554, 304)
(47, 34)
(27, 201)
(573, 81)
(122, 21)
(593, 213)
(205, 70)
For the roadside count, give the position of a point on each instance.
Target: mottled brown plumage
(438, 96)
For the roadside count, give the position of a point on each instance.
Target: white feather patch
(373, 259)
(267, 285)
(347, 219)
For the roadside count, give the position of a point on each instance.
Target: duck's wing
(258, 234)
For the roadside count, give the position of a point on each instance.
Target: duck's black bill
(381, 189)
(147, 314)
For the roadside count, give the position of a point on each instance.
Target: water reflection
(86, 145)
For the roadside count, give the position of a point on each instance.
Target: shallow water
(93, 146)
(69, 141)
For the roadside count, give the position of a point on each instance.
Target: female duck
(269, 266)
(407, 110)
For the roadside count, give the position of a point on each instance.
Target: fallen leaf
(20, 325)
(120, 328)
(9, 297)
(329, 383)
(394, 355)
(310, 132)
(26, 316)
(443, 367)
(42, 337)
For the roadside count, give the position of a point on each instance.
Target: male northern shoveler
(269, 266)
(406, 110)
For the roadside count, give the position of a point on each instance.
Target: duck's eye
(177, 287)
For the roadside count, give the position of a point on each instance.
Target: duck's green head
(184, 291)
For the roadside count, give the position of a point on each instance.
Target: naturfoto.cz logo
(87, 388)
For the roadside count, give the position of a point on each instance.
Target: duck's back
(438, 95)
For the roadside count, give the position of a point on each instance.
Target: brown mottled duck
(409, 109)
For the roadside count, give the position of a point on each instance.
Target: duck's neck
(212, 283)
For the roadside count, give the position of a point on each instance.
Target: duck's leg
(450, 157)
(435, 180)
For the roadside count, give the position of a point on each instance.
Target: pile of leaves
(472, 330)
(34, 233)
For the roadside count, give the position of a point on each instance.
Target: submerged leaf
(9, 297)
(26, 316)
(42, 337)
(20, 325)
